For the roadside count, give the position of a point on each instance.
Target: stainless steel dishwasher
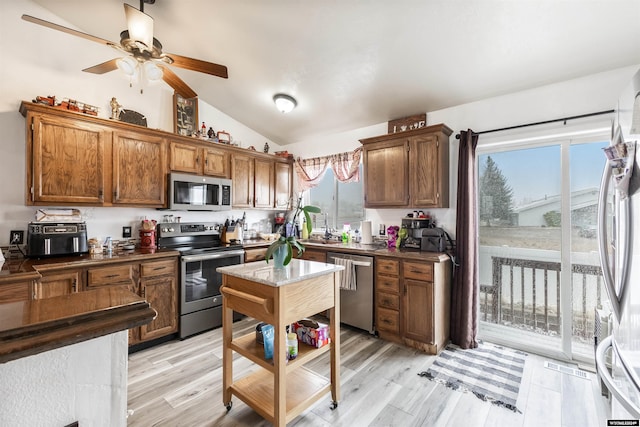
(356, 307)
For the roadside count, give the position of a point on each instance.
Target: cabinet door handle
(111, 276)
(197, 160)
(74, 285)
(144, 291)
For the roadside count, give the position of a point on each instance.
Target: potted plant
(281, 250)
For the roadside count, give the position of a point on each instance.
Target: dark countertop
(27, 268)
(32, 327)
(375, 249)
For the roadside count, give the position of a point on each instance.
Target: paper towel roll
(366, 232)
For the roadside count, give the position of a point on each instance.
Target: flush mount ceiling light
(284, 103)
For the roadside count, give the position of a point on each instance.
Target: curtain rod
(564, 119)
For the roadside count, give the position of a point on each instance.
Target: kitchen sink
(320, 241)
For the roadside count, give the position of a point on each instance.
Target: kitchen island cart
(282, 389)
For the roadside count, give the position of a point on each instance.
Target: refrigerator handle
(607, 275)
(607, 379)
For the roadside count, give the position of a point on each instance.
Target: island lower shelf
(303, 387)
(254, 351)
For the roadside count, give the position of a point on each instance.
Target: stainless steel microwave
(198, 193)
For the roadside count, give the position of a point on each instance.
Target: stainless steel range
(201, 252)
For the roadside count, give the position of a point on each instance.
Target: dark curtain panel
(464, 294)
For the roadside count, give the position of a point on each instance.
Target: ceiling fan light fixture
(140, 26)
(127, 65)
(284, 103)
(152, 71)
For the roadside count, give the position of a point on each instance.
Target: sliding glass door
(538, 264)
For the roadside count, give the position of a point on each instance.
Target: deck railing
(526, 293)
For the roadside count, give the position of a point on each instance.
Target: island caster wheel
(228, 406)
(333, 405)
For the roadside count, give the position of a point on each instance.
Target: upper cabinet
(260, 182)
(283, 185)
(75, 159)
(138, 178)
(407, 169)
(199, 160)
(66, 160)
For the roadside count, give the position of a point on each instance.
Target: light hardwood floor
(179, 383)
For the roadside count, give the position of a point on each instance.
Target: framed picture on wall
(185, 115)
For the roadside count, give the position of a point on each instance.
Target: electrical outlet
(16, 237)
(126, 232)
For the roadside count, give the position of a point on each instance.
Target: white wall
(598, 92)
(84, 382)
(34, 62)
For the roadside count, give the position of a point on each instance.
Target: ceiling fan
(143, 51)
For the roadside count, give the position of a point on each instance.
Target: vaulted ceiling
(355, 63)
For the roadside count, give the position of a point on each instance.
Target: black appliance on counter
(201, 252)
(414, 231)
(45, 239)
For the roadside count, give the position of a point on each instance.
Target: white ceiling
(355, 63)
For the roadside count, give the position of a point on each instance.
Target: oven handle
(212, 255)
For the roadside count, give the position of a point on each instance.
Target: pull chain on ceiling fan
(143, 52)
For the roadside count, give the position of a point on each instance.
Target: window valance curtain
(345, 167)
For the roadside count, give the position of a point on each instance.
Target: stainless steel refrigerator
(619, 243)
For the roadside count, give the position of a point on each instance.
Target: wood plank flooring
(179, 383)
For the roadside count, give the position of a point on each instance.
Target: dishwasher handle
(358, 263)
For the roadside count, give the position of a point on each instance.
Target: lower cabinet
(155, 280)
(413, 302)
(314, 255)
(387, 310)
(57, 283)
(11, 291)
(159, 286)
(255, 254)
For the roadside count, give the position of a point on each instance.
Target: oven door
(200, 282)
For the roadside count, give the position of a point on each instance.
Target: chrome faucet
(327, 233)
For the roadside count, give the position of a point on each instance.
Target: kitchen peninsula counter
(282, 389)
(31, 327)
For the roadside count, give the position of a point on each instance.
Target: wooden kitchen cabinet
(283, 184)
(159, 286)
(426, 304)
(255, 254)
(258, 182)
(139, 174)
(156, 281)
(57, 283)
(242, 176)
(191, 158)
(264, 183)
(21, 290)
(65, 161)
(387, 309)
(314, 255)
(80, 160)
(408, 169)
(413, 302)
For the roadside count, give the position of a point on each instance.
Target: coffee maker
(414, 228)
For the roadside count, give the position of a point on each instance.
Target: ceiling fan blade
(66, 30)
(177, 83)
(140, 26)
(198, 65)
(105, 67)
